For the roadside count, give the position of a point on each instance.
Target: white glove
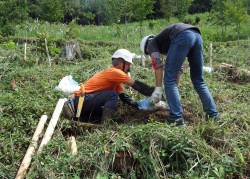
(156, 95)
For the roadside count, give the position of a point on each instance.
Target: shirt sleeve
(155, 55)
(118, 76)
(156, 60)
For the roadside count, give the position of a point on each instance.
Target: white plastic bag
(208, 69)
(68, 85)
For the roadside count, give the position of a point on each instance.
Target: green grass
(142, 143)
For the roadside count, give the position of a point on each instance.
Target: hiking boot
(215, 119)
(107, 117)
(177, 122)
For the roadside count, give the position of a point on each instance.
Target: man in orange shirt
(102, 90)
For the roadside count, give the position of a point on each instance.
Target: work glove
(143, 88)
(156, 95)
(127, 100)
(81, 91)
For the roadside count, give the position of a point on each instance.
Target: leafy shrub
(7, 30)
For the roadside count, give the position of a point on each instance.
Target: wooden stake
(25, 49)
(52, 124)
(210, 54)
(143, 60)
(47, 51)
(73, 146)
(31, 149)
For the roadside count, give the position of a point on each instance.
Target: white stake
(31, 149)
(52, 124)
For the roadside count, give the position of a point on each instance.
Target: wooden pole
(52, 124)
(31, 149)
(210, 54)
(25, 51)
(47, 51)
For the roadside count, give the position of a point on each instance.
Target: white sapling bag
(68, 85)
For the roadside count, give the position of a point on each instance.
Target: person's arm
(158, 68)
(158, 77)
(141, 87)
(127, 100)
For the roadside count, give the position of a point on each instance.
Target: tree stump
(71, 50)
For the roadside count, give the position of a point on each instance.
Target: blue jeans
(94, 103)
(186, 44)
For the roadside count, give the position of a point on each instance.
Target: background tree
(86, 15)
(71, 9)
(166, 8)
(218, 17)
(228, 12)
(124, 11)
(141, 9)
(34, 9)
(11, 13)
(236, 13)
(200, 6)
(180, 8)
(51, 12)
(174, 8)
(98, 7)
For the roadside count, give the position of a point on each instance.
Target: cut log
(31, 149)
(225, 65)
(52, 124)
(229, 66)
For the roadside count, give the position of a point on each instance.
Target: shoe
(215, 118)
(177, 122)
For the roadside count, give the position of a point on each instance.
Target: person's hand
(127, 100)
(156, 95)
(81, 91)
(146, 105)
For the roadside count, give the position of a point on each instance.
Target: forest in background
(105, 12)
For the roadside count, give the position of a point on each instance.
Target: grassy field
(142, 145)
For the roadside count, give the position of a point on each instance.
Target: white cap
(144, 41)
(124, 54)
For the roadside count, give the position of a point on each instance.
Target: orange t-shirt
(109, 79)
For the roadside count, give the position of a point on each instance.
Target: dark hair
(115, 61)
